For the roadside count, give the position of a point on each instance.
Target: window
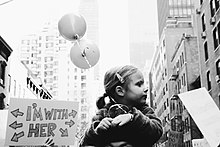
(164, 43)
(171, 12)
(9, 84)
(208, 80)
(179, 2)
(184, 79)
(83, 77)
(206, 51)
(170, 2)
(219, 100)
(201, 1)
(14, 88)
(164, 105)
(83, 100)
(188, 2)
(212, 7)
(180, 12)
(203, 23)
(175, 12)
(83, 116)
(83, 108)
(2, 72)
(83, 93)
(184, 11)
(218, 67)
(215, 38)
(83, 85)
(189, 11)
(183, 58)
(175, 2)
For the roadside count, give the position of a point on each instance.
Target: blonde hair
(113, 77)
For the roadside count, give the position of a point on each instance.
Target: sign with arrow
(34, 122)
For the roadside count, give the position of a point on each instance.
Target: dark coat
(143, 131)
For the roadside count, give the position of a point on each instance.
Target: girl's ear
(119, 90)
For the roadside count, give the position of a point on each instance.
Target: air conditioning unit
(203, 35)
(212, 20)
(217, 79)
(198, 11)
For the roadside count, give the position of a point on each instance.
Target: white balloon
(72, 26)
(84, 54)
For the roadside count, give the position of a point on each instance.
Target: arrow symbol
(16, 125)
(17, 136)
(64, 132)
(70, 123)
(73, 113)
(17, 113)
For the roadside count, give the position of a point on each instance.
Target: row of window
(180, 12)
(179, 2)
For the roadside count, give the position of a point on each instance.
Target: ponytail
(100, 103)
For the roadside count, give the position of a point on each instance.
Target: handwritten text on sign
(40, 122)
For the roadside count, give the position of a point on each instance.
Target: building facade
(161, 70)
(171, 9)
(208, 16)
(193, 63)
(5, 52)
(185, 77)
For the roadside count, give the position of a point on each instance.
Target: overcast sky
(23, 17)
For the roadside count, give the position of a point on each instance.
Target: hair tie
(105, 95)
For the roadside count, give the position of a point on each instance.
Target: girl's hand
(104, 124)
(122, 119)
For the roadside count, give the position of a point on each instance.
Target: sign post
(41, 122)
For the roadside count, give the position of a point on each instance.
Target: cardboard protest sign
(204, 112)
(41, 122)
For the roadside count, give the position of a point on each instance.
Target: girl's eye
(140, 83)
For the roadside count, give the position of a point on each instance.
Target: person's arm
(147, 123)
(91, 136)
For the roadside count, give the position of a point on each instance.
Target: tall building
(171, 9)
(208, 38)
(89, 9)
(140, 46)
(47, 55)
(41, 52)
(185, 76)
(161, 69)
(5, 52)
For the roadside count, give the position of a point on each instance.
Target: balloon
(72, 26)
(84, 54)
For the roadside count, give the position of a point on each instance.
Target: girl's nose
(145, 90)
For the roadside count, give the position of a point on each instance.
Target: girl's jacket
(143, 131)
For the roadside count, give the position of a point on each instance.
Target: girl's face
(135, 92)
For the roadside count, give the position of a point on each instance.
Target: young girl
(126, 120)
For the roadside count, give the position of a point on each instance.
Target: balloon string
(84, 55)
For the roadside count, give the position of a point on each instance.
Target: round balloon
(84, 54)
(72, 26)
